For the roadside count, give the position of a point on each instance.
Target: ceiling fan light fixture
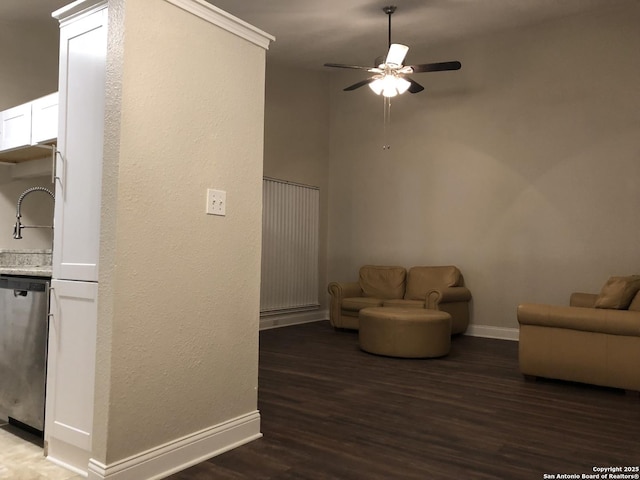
(389, 92)
(389, 85)
(377, 86)
(402, 85)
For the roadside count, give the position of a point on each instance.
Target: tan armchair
(596, 339)
(437, 288)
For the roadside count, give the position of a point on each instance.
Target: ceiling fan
(390, 77)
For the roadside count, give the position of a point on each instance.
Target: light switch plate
(216, 202)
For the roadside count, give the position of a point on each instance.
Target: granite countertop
(26, 271)
(33, 263)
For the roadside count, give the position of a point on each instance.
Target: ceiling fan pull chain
(386, 121)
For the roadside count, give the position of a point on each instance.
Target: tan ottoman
(405, 332)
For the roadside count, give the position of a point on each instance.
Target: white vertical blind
(290, 228)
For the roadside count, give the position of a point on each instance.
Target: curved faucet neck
(17, 228)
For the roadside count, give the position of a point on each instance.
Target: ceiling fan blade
(359, 84)
(356, 67)
(436, 67)
(415, 87)
(396, 54)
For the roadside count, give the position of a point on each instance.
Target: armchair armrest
(579, 299)
(447, 295)
(602, 320)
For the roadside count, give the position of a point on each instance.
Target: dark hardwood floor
(331, 411)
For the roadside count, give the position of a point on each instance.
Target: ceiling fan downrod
(389, 11)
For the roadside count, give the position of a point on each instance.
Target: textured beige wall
(180, 332)
(29, 69)
(297, 140)
(522, 168)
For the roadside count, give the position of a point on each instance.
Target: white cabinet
(71, 372)
(44, 119)
(29, 124)
(24, 130)
(76, 242)
(15, 128)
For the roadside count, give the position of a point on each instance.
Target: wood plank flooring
(331, 411)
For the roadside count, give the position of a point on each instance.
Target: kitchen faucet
(17, 228)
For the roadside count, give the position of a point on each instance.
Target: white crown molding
(199, 8)
(174, 456)
(77, 9)
(228, 22)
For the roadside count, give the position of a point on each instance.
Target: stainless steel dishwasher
(24, 304)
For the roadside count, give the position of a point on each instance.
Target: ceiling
(312, 32)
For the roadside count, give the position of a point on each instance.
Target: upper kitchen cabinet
(15, 129)
(44, 119)
(23, 129)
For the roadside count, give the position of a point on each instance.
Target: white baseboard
(487, 331)
(67, 456)
(185, 452)
(295, 318)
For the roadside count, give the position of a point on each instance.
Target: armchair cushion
(382, 281)
(618, 292)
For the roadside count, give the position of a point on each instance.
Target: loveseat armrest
(339, 291)
(601, 320)
(447, 295)
(342, 290)
(579, 299)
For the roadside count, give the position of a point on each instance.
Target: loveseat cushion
(402, 303)
(421, 280)
(618, 292)
(382, 281)
(355, 304)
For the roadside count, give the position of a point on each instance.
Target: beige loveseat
(437, 288)
(595, 340)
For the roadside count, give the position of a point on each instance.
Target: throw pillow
(618, 292)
